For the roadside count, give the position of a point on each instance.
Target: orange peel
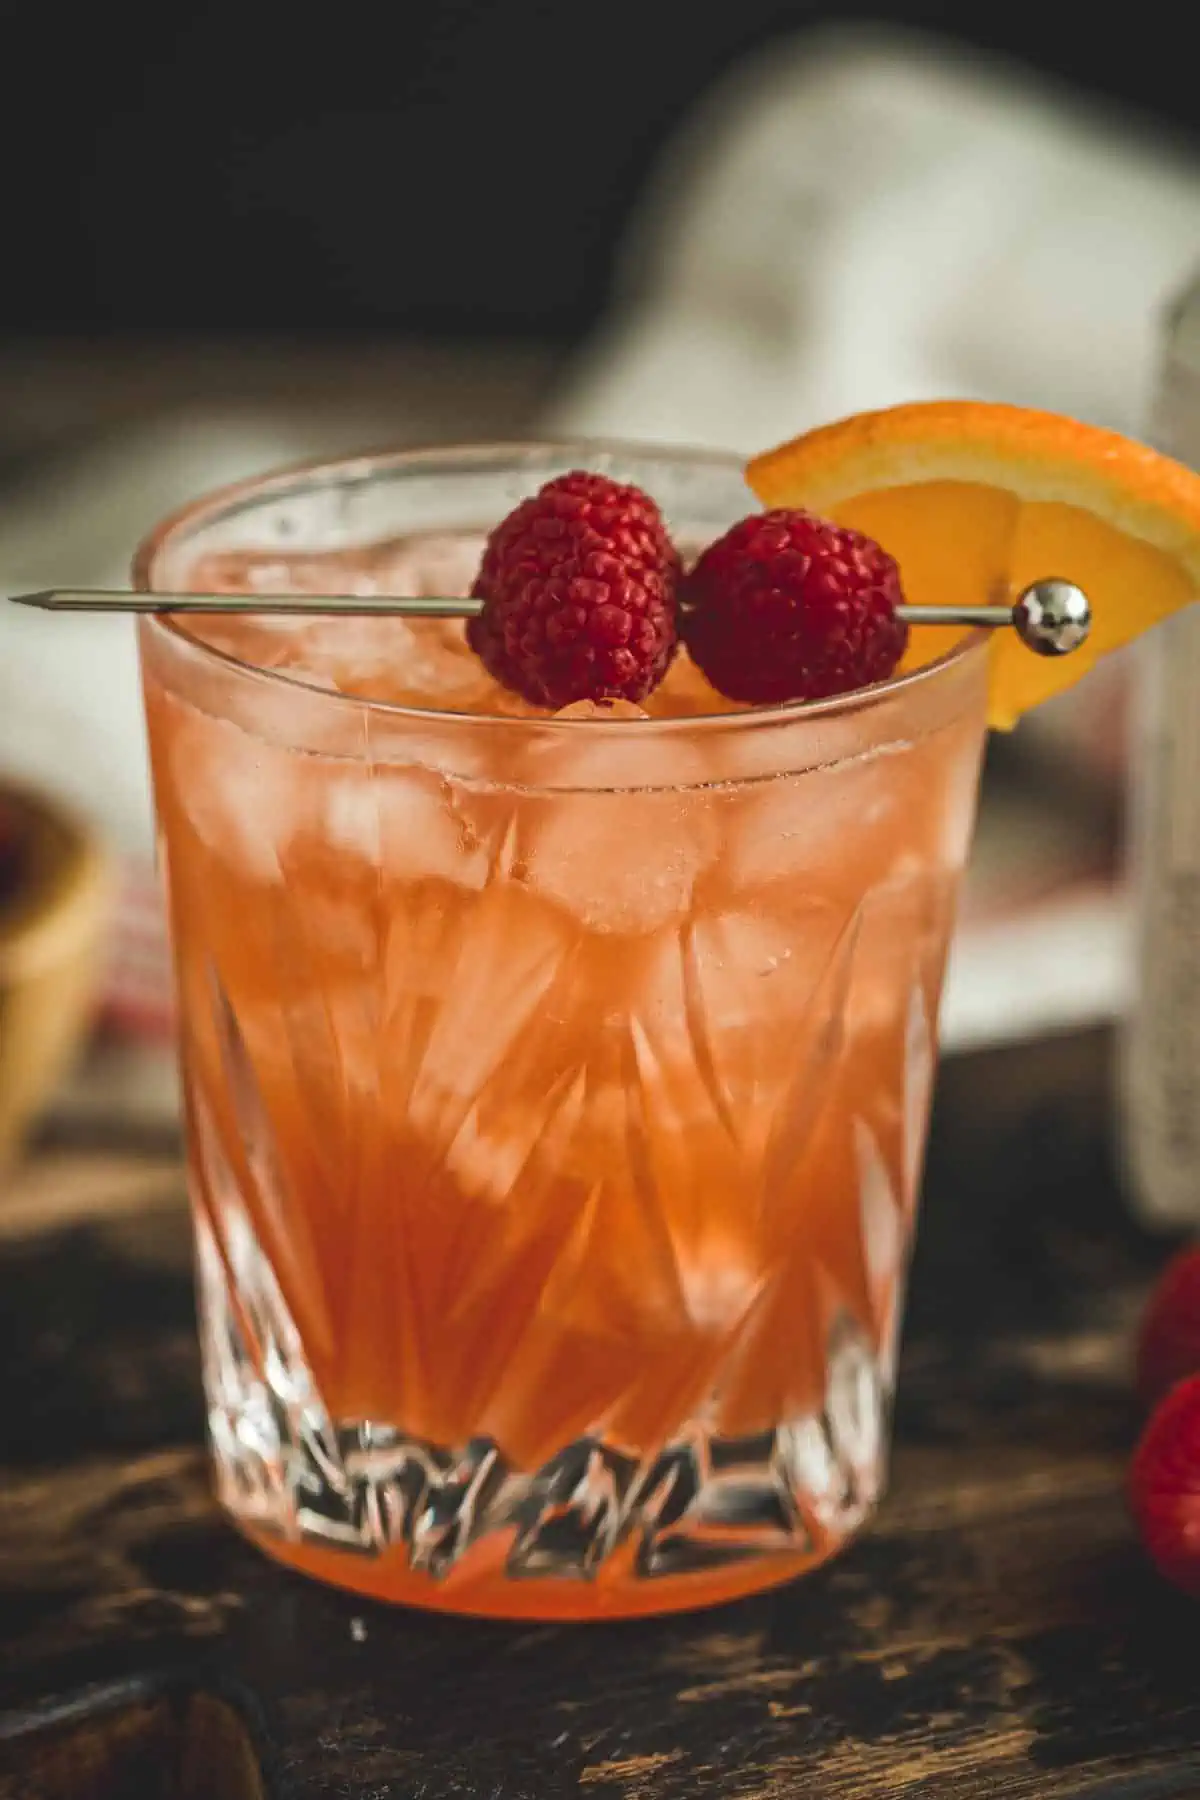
(976, 499)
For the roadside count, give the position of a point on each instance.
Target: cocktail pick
(1051, 617)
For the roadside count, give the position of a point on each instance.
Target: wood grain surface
(995, 1632)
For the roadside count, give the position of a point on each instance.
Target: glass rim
(323, 472)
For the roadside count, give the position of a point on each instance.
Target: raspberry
(579, 592)
(1164, 1486)
(1169, 1341)
(787, 606)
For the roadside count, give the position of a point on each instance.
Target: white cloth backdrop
(851, 219)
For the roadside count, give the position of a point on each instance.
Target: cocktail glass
(556, 1088)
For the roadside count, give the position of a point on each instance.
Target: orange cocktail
(556, 1086)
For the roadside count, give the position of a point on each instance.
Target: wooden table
(996, 1632)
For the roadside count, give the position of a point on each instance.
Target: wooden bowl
(55, 905)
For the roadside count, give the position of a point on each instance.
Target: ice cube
(422, 663)
(264, 641)
(429, 663)
(601, 709)
(276, 572)
(404, 824)
(418, 564)
(430, 826)
(820, 830)
(722, 1006)
(417, 662)
(686, 692)
(272, 813)
(439, 563)
(241, 797)
(381, 659)
(627, 832)
(727, 976)
(619, 863)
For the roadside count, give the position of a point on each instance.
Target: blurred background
(235, 236)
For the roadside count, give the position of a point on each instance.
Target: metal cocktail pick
(1052, 617)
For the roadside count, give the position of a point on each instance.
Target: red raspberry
(579, 592)
(1164, 1485)
(786, 606)
(1169, 1341)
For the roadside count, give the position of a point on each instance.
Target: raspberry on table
(1164, 1486)
(787, 606)
(1169, 1340)
(579, 590)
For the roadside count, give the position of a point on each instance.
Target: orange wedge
(976, 500)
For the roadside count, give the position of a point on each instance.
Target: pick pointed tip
(44, 599)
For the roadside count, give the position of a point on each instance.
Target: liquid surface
(407, 662)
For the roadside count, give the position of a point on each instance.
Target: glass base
(595, 1532)
(484, 1590)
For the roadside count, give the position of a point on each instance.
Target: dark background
(446, 166)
